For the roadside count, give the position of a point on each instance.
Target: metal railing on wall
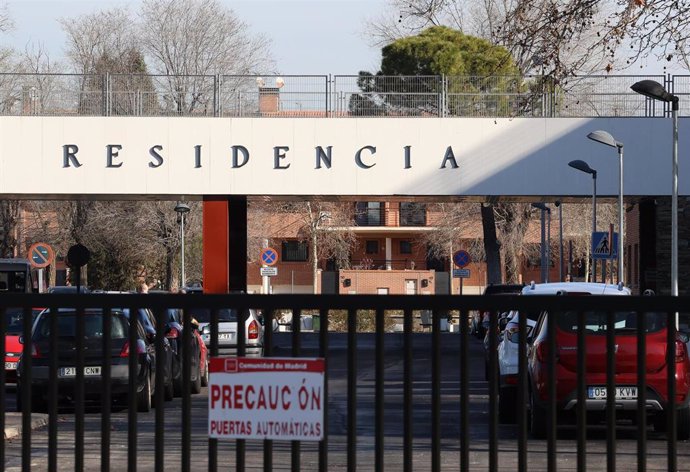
(340, 96)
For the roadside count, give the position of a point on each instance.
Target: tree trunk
(314, 264)
(492, 248)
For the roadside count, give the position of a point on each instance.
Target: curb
(13, 424)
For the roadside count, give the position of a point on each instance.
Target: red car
(595, 378)
(13, 349)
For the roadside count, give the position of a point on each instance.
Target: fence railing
(339, 96)
(440, 393)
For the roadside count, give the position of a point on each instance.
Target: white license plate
(10, 366)
(225, 335)
(622, 393)
(72, 371)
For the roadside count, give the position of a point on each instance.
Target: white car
(227, 330)
(509, 344)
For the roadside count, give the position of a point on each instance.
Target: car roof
(591, 288)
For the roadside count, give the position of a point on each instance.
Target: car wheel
(507, 405)
(144, 397)
(169, 391)
(196, 384)
(177, 385)
(537, 419)
(204, 378)
(659, 422)
(18, 402)
(683, 423)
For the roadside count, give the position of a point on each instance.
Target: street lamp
(655, 90)
(545, 253)
(605, 138)
(181, 209)
(584, 167)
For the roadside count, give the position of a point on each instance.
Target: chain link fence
(320, 96)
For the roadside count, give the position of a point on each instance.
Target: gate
(433, 424)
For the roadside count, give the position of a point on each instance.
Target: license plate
(72, 371)
(225, 335)
(622, 393)
(10, 366)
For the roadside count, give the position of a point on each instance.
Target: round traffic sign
(269, 256)
(41, 255)
(461, 258)
(78, 256)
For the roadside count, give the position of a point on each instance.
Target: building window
(369, 214)
(372, 247)
(294, 251)
(412, 214)
(405, 247)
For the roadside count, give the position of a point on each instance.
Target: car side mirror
(21, 339)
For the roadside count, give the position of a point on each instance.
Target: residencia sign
(186, 157)
(241, 156)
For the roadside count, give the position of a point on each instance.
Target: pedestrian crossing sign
(602, 248)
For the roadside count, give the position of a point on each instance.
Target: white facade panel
(501, 157)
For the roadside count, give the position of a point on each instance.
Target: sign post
(461, 259)
(266, 398)
(268, 258)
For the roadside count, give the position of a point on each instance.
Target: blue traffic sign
(41, 255)
(461, 258)
(269, 256)
(602, 248)
(461, 273)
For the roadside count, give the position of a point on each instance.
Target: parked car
(227, 330)
(595, 378)
(508, 350)
(68, 289)
(94, 358)
(13, 348)
(500, 326)
(163, 366)
(199, 359)
(482, 318)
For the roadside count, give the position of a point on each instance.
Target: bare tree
(92, 36)
(189, 41)
(326, 228)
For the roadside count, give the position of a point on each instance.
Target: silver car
(227, 330)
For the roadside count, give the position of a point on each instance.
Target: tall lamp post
(605, 138)
(545, 248)
(656, 91)
(584, 167)
(181, 209)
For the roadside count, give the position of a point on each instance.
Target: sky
(308, 36)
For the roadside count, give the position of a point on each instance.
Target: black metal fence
(350, 310)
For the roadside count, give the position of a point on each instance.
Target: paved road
(450, 414)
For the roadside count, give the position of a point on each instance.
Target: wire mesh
(320, 96)
(51, 94)
(389, 96)
(292, 96)
(161, 95)
(681, 88)
(604, 96)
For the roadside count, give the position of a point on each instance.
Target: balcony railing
(327, 96)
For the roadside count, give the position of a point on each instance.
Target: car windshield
(625, 322)
(93, 326)
(203, 315)
(14, 317)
